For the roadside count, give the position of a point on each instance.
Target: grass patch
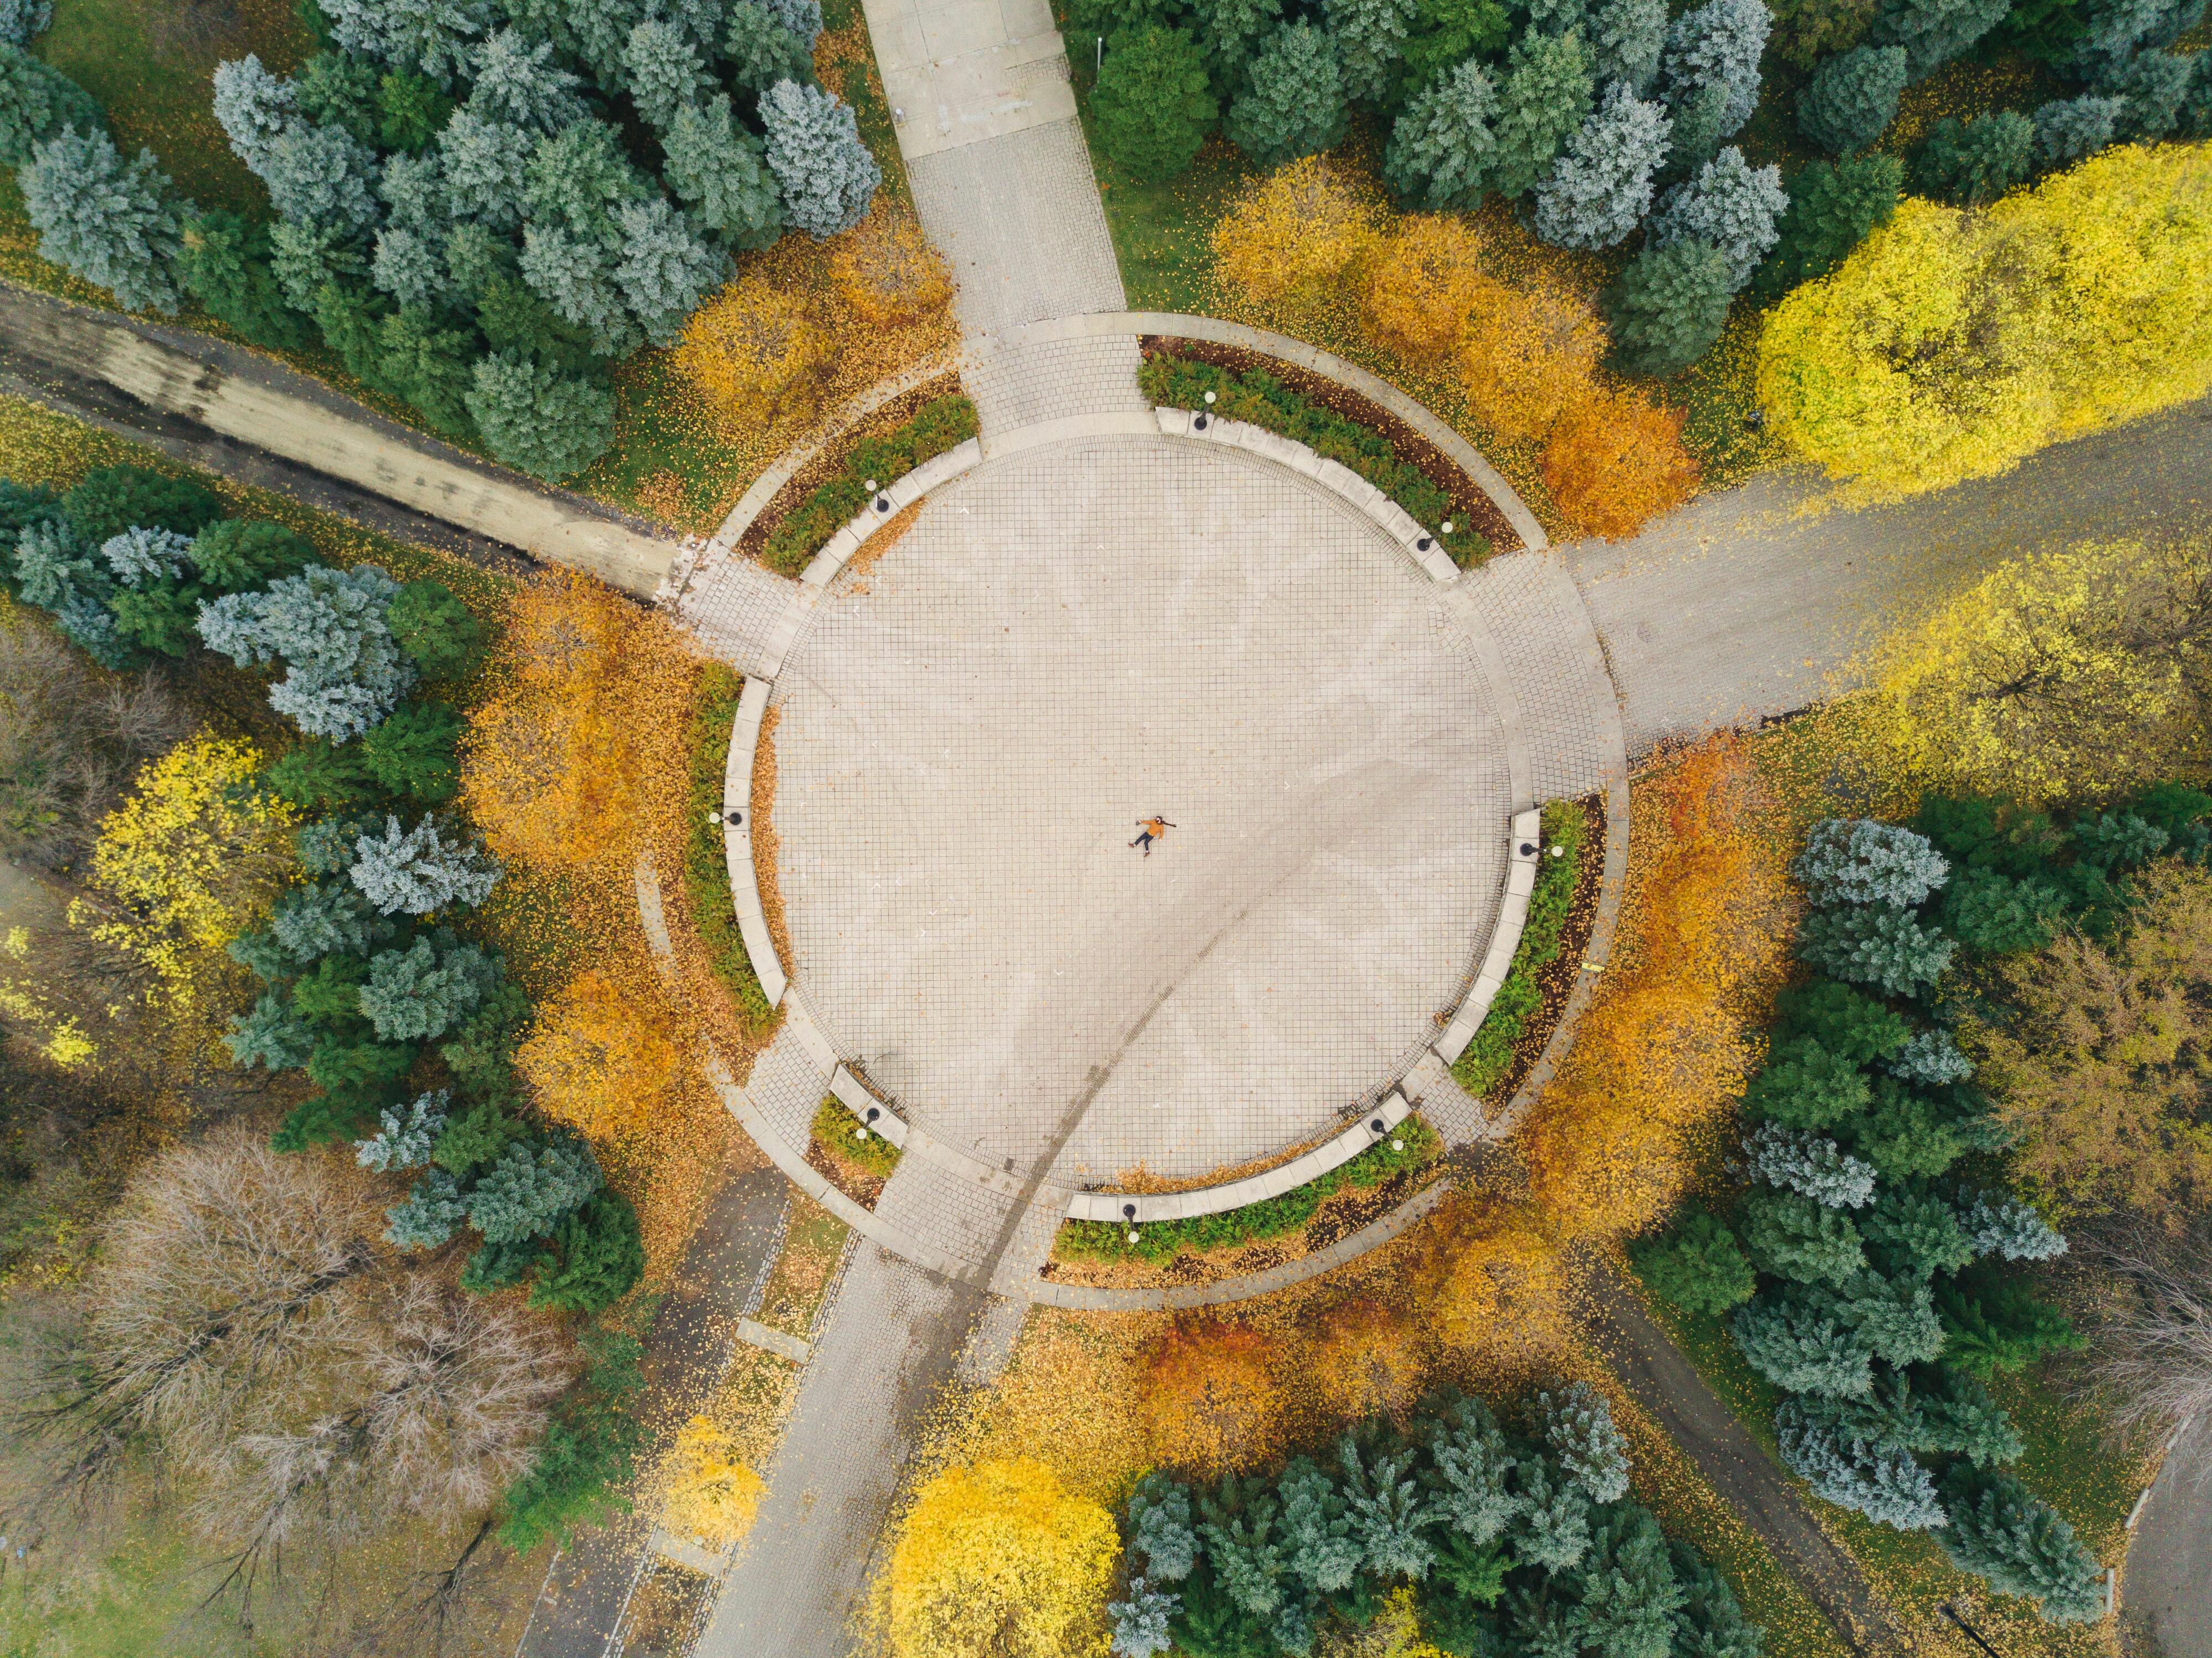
(1174, 381)
(706, 865)
(844, 1136)
(937, 426)
(1489, 1057)
(1162, 1239)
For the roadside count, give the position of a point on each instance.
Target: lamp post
(1967, 1629)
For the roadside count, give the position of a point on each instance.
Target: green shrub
(1489, 1055)
(706, 868)
(1697, 1266)
(1162, 1239)
(1258, 398)
(839, 1130)
(944, 424)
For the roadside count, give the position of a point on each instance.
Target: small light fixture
(1558, 852)
(870, 485)
(1376, 1127)
(1528, 848)
(1199, 424)
(1397, 1145)
(1447, 526)
(859, 1134)
(1209, 398)
(1133, 1237)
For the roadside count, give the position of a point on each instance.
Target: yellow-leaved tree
(755, 350)
(1529, 358)
(1001, 1561)
(183, 865)
(1955, 342)
(1424, 284)
(1295, 235)
(713, 1495)
(2071, 674)
(598, 1057)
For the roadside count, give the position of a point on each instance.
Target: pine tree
(1384, 1502)
(481, 1053)
(253, 107)
(1999, 1226)
(2001, 1533)
(1152, 103)
(1959, 1418)
(321, 176)
(1715, 49)
(666, 268)
(406, 1136)
(1917, 1232)
(271, 1035)
(1577, 1424)
(547, 424)
(330, 995)
(1795, 1238)
(1552, 1529)
(1896, 1319)
(1933, 32)
(762, 50)
(1805, 1086)
(1371, 39)
(1544, 96)
(598, 1255)
(1444, 146)
(1883, 1482)
(484, 163)
(1629, 1594)
(474, 1139)
(36, 101)
(102, 219)
(326, 918)
(1601, 187)
(665, 71)
(719, 171)
(1293, 102)
(1875, 946)
(418, 870)
(1140, 1623)
(519, 83)
(225, 262)
(1730, 205)
(1711, 1623)
(1810, 1164)
(1992, 1326)
(427, 989)
(1668, 306)
(1232, 32)
(1445, 33)
(527, 1192)
(1904, 1133)
(815, 151)
(410, 266)
(438, 37)
(58, 571)
(575, 275)
(236, 553)
(1242, 1547)
(428, 364)
(1626, 37)
(1852, 97)
(435, 629)
(1973, 162)
(1473, 1471)
(1802, 1351)
(427, 1217)
(1320, 1550)
(2152, 87)
(1160, 1527)
(411, 108)
(1931, 1058)
(1699, 1265)
(343, 671)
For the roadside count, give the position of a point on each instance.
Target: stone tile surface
(1077, 636)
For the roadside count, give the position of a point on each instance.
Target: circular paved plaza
(1073, 637)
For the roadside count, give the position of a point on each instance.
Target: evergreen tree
(1832, 209)
(103, 219)
(427, 1217)
(2003, 1533)
(233, 555)
(598, 1255)
(1883, 1482)
(321, 176)
(519, 83)
(1626, 37)
(1388, 1514)
(1444, 146)
(111, 500)
(326, 918)
(1699, 1265)
(2069, 130)
(762, 50)
(1999, 1226)
(527, 1192)
(1959, 1417)
(36, 102)
(665, 71)
(335, 88)
(344, 671)
(1629, 1594)
(320, 775)
(1544, 96)
(1730, 205)
(1857, 860)
(1973, 162)
(484, 163)
(1985, 910)
(719, 171)
(1601, 187)
(1711, 1623)
(1140, 1623)
(1160, 1527)
(1371, 39)
(58, 572)
(1810, 1164)
(1852, 97)
(815, 151)
(1320, 1550)
(227, 265)
(575, 275)
(1552, 1529)
(666, 268)
(1802, 1350)
(418, 870)
(1933, 32)
(367, 1071)
(1242, 1547)
(1152, 103)
(410, 266)
(411, 108)
(1805, 1086)
(1875, 946)
(1668, 306)
(1896, 1319)
(1232, 32)
(1445, 33)
(438, 37)
(253, 107)
(1917, 1232)
(802, 17)
(481, 1053)
(475, 1140)
(1293, 102)
(406, 1137)
(1714, 49)
(427, 989)
(1904, 1133)
(271, 1035)
(1992, 1326)
(330, 995)
(2152, 87)
(1472, 1471)
(428, 365)
(435, 629)
(1577, 1424)
(540, 421)
(140, 556)
(1931, 1058)
(1795, 1238)
(1849, 1023)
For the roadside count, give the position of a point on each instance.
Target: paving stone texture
(1072, 638)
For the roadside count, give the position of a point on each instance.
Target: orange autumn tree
(1527, 357)
(886, 270)
(579, 760)
(598, 1057)
(1616, 460)
(1365, 1358)
(1210, 1398)
(1424, 285)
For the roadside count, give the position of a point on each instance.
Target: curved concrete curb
(901, 494)
(1376, 390)
(1521, 851)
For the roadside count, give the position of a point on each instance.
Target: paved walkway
(1742, 605)
(2166, 1586)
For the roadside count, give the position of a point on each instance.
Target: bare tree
(2151, 1332)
